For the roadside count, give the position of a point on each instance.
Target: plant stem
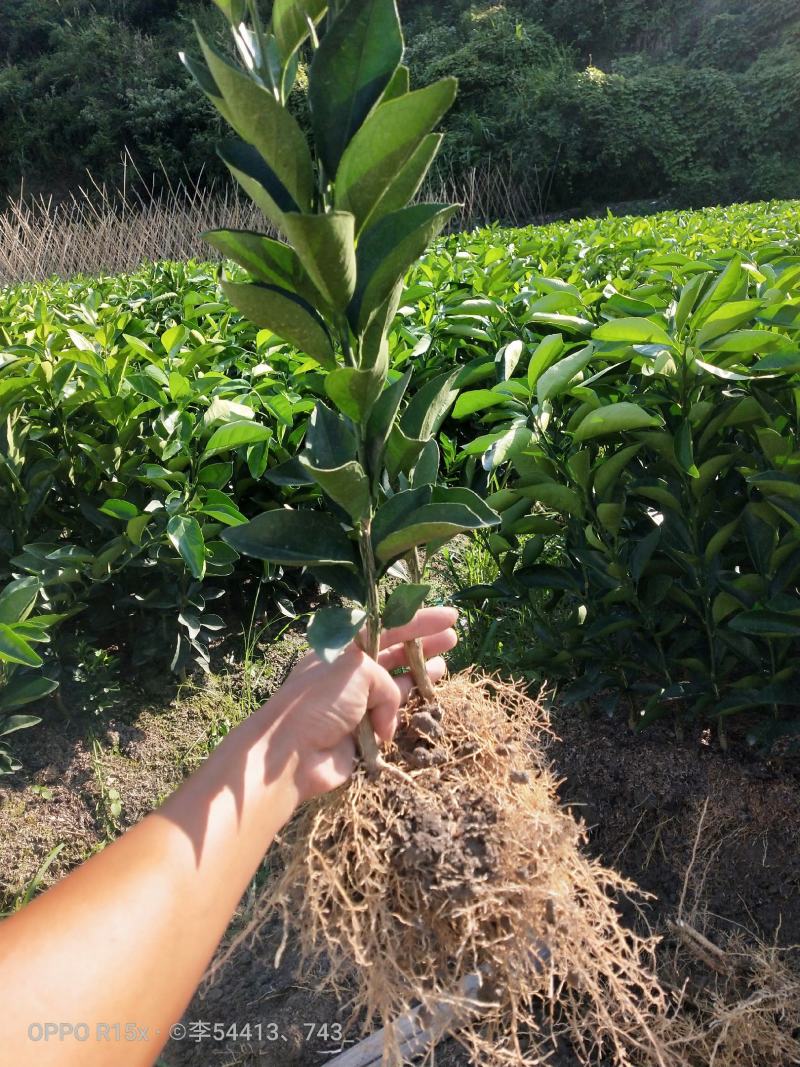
(365, 736)
(414, 649)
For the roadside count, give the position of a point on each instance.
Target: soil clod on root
(406, 889)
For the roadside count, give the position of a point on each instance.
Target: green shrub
(652, 445)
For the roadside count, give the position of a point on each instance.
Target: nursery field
(624, 393)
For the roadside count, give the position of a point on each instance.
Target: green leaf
(432, 522)
(730, 285)
(290, 22)
(608, 470)
(233, 10)
(267, 260)
(779, 362)
(287, 315)
(293, 539)
(18, 722)
(333, 629)
(429, 406)
(348, 486)
(544, 356)
(234, 435)
(350, 71)
(18, 599)
(119, 509)
(13, 649)
(761, 623)
(257, 179)
(376, 175)
(330, 441)
(325, 245)
(22, 690)
(476, 504)
(386, 251)
(381, 420)
(426, 470)
(478, 400)
(558, 497)
(727, 318)
(260, 120)
(187, 538)
(557, 378)
(403, 604)
(614, 418)
(636, 331)
(684, 449)
(355, 392)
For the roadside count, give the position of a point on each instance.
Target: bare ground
(642, 797)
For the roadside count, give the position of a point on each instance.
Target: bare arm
(127, 937)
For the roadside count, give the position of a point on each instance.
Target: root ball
(409, 891)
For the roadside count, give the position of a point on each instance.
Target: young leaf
(350, 71)
(375, 159)
(260, 120)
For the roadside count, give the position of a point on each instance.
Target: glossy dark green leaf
(25, 689)
(187, 538)
(332, 630)
(431, 522)
(761, 623)
(14, 649)
(403, 604)
(18, 599)
(293, 539)
(235, 435)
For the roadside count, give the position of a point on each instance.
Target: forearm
(127, 937)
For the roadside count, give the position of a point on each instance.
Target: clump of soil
(470, 888)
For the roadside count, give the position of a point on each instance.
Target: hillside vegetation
(601, 101)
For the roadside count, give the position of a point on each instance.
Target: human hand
(321, 704)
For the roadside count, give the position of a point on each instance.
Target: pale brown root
(405, 891)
